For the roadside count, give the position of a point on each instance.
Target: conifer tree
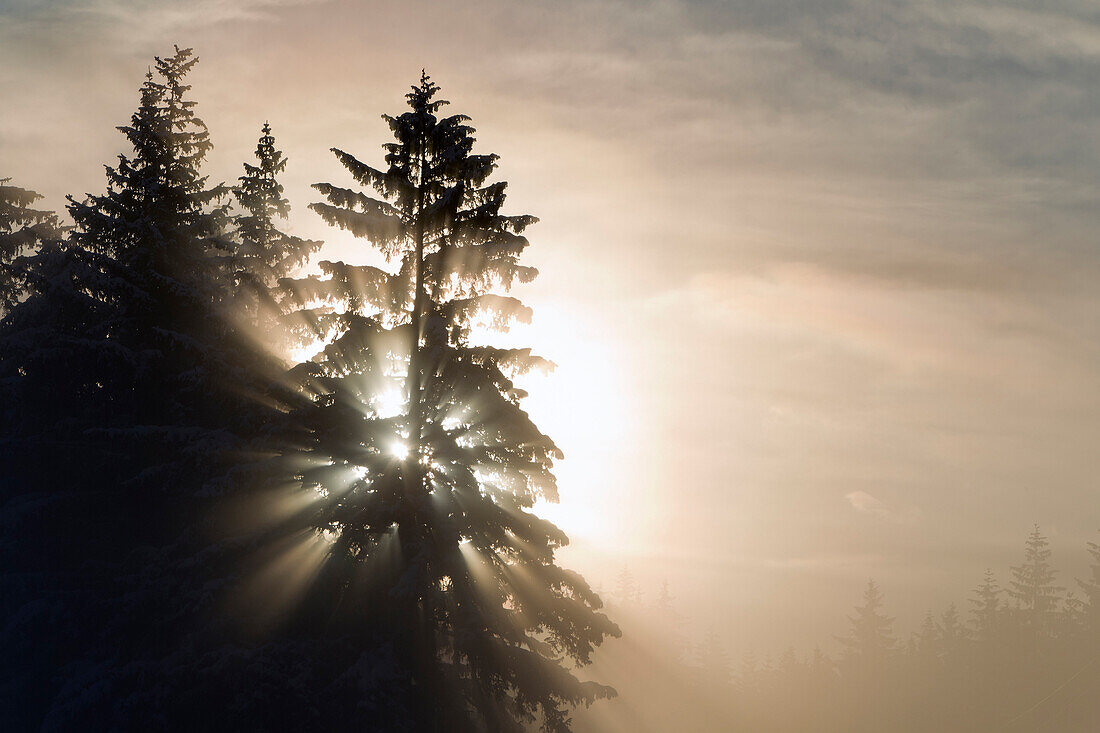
(424, 463)
(126, 310)
(821, 665)
(22, 230)
(748, 673)
(668, 623)
(926, 640)
(1090, 586)
(662, 604)
(1037, 598)
(264, 254)
(714, 661)
(869, 641)
(626, 589)
(986, 608)
(125, 391)
(950, 632)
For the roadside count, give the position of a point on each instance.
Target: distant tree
(926, 642)
(870, 641)
(1090, 587)
(767, 669)
(424, 464)
(748, 672)
(821, 671)
(662, 602)
(668, 623)
(950, 632)
(1037, 598)
(789, 666)
(985, 614)
(22, 229)
(626, 589)
(263, 254)
(714, 661)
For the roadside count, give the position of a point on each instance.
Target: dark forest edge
(199, 533)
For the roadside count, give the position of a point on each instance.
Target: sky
(819, 275)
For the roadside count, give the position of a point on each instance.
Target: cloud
(147, 17)
(865, 503)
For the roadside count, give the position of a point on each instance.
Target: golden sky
(820, 277)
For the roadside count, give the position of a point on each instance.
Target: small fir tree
(926, 642)
(1090, 587)
(869, 642)
(626, 589)
(986, 608)
(264, 254)
(950, 632)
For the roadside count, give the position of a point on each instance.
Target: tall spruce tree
(424, 465)
(22, 230)
(263, 254)
(103, 351)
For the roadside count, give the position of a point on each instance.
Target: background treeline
(198, 531)
(1019, 654)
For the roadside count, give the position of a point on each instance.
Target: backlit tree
(424, 463)
(263, 254)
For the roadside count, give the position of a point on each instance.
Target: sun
(582, 406)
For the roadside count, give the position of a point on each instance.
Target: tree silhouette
(425, 464)
(22, 230)
(128, 394)
(263, 254)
